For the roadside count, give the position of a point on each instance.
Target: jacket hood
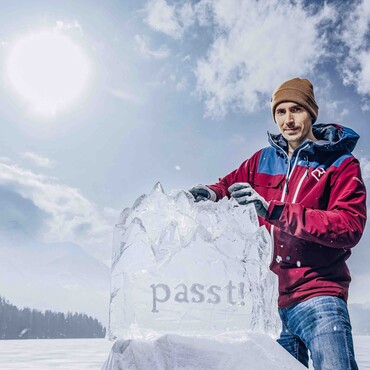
(330, 137)
(335, 137)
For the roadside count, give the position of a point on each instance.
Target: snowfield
(81, 354)
(63, 354)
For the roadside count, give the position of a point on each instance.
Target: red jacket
(317, 210)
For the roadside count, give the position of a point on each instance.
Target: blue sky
(176, 92)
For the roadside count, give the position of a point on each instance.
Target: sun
(48, 70)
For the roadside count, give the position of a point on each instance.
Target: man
(308, 191)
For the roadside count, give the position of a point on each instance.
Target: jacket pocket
(263, 181)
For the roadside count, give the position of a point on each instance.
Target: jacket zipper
(288, 176)
(299, 187)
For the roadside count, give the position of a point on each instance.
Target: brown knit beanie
(297, 90)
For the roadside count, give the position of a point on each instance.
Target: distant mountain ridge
(51, 276)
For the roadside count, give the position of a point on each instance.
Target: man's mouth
(291, 130)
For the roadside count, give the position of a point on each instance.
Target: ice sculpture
(190, 268)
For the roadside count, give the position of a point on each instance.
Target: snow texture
(89, 354)
(187, 268)
(251, 351)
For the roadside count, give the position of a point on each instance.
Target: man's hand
(245, 194)
(202, 192)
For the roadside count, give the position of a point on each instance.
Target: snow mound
(251, 351)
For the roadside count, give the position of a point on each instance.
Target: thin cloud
(37, 160)
(182, 84)
(6, 160)
(67, 26)
(355, 36)
(365, 168)
(144, 49)
(71, 216)
(334, 109)
(125, 96)
(163, 17)
(175, 19)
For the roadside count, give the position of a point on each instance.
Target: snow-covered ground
(80, 354)
(362, 348)
(45, 354)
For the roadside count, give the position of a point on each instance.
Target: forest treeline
(29, 323)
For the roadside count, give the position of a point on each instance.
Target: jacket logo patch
(317, 173)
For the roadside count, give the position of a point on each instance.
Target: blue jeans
(322, 326)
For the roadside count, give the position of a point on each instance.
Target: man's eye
(280, 112)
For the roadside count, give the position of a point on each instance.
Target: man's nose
(289, 117)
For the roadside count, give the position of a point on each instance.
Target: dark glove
(245, 194)
(202, 192)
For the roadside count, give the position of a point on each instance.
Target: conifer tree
(25, 323)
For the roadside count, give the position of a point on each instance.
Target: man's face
(294, 122)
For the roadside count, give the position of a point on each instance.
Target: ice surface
(190, 268)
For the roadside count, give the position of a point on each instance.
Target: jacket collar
(330, 137)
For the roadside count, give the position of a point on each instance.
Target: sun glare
(48, 70)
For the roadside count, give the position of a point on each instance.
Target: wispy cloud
(6, 160)
(174, 19)
(143, 46)
(355, 36)
(125, 96)
(182, 84)
(70, 215)
(365, 168)
(163, 17)
(37, 159)
(334, 109)
(67, 26)
(255, 50)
